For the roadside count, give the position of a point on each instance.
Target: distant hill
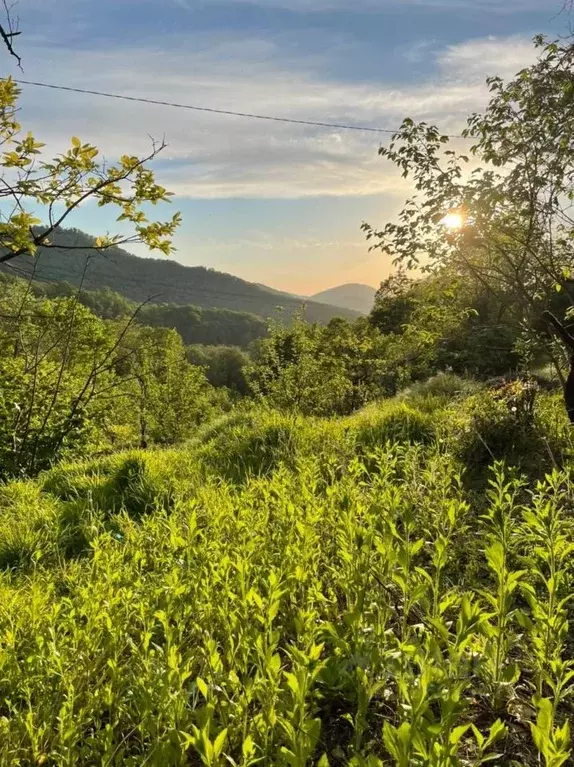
(163, 280)
(352, 296)
(276, 292)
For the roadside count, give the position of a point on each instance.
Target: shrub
(252, 447)
(445, 386)
(395, 422)
(495, 425)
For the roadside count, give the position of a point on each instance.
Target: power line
(228, 112)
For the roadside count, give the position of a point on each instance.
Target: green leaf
(248, 747)
(510, 674)
(495, 557)
(457, 733)
(219, 743)
(202, 687)
(497, 731)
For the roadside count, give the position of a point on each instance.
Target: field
(379, 589)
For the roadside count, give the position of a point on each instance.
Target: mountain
(276, 292)
(161, 280)
(352, 296)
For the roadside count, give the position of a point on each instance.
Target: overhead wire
(212, 110)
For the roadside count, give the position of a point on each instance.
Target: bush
(554, 425)
(495, 425)
(394, 422)
(252, 447)
(445, 386)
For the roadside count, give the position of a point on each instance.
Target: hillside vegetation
(194, 325)
(291, 591)
(73, 258)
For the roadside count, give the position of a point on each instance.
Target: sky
(270, 202)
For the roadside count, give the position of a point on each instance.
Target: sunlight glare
(453, 221)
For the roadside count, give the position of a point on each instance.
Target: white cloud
(470, 61)
(217, 156)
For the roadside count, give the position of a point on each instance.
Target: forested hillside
(194, 325)
(159, 280)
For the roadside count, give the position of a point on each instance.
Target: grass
(293, 591)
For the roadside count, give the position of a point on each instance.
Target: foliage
(71, 383)
(60, 185)
(332, 607)
(210, 327)
(394, 422)
(103, 303)
(514, 204)
(320, 371)
(446, 322)
(499, 424)
(445, 387)
(320, 574)
(169, 395)
(223, 365)
(294, 371)
(394, 303)
(194, 325)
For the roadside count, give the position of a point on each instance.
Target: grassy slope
(261, 595)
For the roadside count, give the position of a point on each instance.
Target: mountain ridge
(160, 280)
(353, 296)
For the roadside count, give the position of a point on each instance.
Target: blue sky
(269, 202)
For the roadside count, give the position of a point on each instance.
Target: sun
(453, 221)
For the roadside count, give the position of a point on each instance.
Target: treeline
(445, 322)
(195, 325)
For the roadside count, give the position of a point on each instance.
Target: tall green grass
(290, 591)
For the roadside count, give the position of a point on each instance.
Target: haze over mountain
(358, 298)
(163, 280)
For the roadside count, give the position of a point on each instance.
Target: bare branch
(8, 31)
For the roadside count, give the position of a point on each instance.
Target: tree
(294, 369)
(363, 352)
(444, 321)
(170, 396)
(57, 386)
(223, 365)
(512, 226)
(393, 303)
(60, 185)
